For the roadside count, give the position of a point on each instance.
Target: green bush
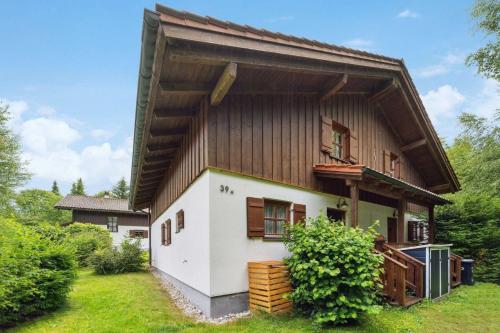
(86, 239)
(35, 272)
(127, 258)
(333, 270)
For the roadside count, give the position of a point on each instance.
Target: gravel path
(191, 310)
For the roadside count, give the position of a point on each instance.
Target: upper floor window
(138, 234)
(276, 215)
(112, 223)
(338, 141)
(392, 164)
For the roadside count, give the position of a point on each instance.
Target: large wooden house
(239, 131)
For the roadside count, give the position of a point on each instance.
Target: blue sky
(69, 69)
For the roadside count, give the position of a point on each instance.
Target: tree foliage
(472, 222)
(36, 272)
(12, 168)
(334, 271)
(55, 188)
(77, 188)
(121, 189)
(486, 13)
(36, 206)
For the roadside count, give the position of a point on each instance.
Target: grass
(135, 302)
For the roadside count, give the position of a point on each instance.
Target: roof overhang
(374, 181)
(179, 46)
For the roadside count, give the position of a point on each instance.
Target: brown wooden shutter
(299, 213)
(255, 217)
(421, 235)
(412, 231)
(163, 234)
(326, 134)
(352, 148)
(401, 166)
(180, 220)
(169, 232)
(387, 162)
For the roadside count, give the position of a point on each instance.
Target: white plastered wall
(123, 232)
(187, 257)
(230, 249)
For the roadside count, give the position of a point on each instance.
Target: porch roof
(379, 181)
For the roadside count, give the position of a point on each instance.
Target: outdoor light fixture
(342, 204)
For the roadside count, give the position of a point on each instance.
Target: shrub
(127, 258)
(86, 239)
(35, 273)
(333, 270)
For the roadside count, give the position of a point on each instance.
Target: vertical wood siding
(190, 160)
(278, 137)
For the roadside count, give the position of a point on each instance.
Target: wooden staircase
(403, 277)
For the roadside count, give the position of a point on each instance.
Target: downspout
(149, 234)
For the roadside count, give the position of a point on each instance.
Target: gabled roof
(83, 202)
(171, 38)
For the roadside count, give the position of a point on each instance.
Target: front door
(392, 230)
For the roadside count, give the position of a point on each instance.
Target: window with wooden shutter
(138, 233)
(163, 238)
(413, 231)
(387, 162)
(180, 220)
(276, 216)
(299, 213)
(168, 236)
(255, 217)
(326, 134)
(352, 146)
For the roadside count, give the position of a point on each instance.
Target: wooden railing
(415, 271)
(394, 280)
(455, 270)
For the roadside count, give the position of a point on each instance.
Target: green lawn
(136, 303)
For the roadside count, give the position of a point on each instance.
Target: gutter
(150, 27)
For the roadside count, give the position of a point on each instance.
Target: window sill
(273, 238)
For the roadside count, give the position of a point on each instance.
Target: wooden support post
(225, 82)
(354, 187)
(401, 220)
(432, 227)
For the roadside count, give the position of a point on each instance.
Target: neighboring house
(239, 131)
(110, 213)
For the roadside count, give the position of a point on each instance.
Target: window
(112, 224)
(166, 233)
(338, 141)
(394, 166)
(276, 215)
(179, 220)
(138, 234)
(416, 231)
(335, 214)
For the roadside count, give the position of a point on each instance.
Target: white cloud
(408, 14)
(445, 65)
(101, 134)
(44, 135)
(443, 102)
(49, 146)
(359, 43)
(16, 110)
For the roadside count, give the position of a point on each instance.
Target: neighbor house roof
(83, 202)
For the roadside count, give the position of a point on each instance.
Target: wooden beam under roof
(387, 89)
(165, 133)
(224, 83)
(413, 145)
(439, 188)
(157, 159)
(154, 147)
(334, 88)
(174, 113)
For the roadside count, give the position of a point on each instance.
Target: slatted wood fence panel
(268, 283)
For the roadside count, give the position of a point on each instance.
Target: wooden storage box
(268, 283)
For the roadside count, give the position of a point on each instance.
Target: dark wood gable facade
(218, 95)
